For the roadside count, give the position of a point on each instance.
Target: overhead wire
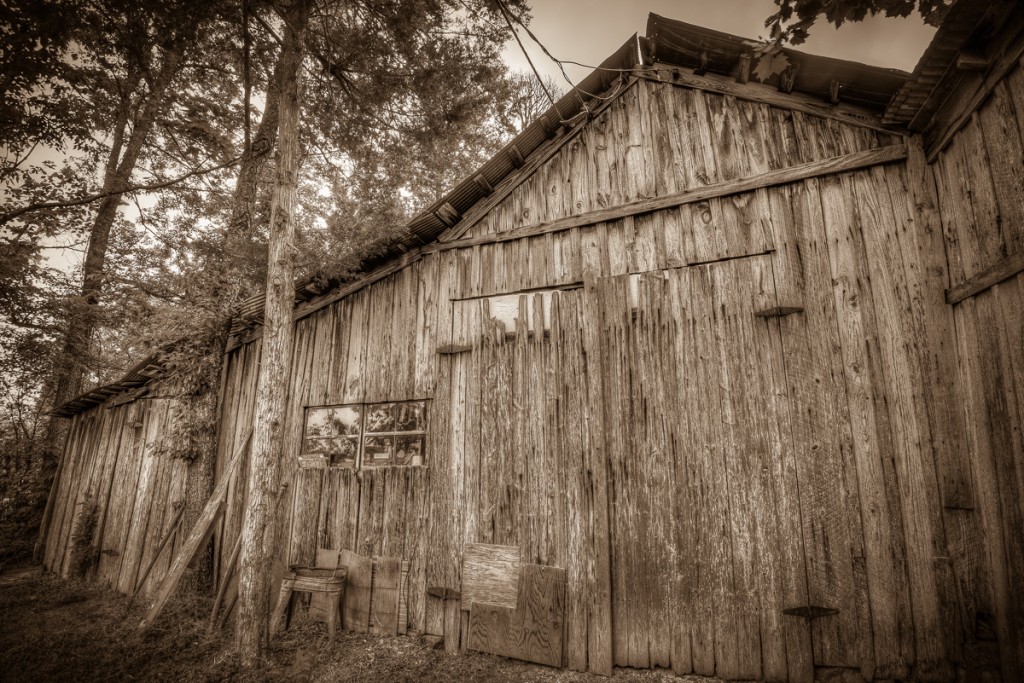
(508, 20)
(585, 110)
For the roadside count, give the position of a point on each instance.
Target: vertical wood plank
(599, 624)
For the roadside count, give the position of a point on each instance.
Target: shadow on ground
(65, 630)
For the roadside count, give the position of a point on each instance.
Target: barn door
(705, 518)
(517, 445)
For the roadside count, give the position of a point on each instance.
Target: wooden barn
(698, 372)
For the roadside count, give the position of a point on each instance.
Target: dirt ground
(65, 630)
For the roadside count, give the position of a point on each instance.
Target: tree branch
(10, 215)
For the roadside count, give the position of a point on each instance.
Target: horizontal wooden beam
(976, 284)
(568, 286)
(759, 92)
(779, 311)
(451, 349)
(814, 169)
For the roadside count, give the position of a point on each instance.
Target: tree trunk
(68, 375)
(226, 287)
(258, 528)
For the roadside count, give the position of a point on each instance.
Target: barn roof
(686, 45)
(150, 368)
(951, 58)
(668, 42)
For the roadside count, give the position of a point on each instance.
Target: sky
(588, 31)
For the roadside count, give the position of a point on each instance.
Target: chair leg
(283, 600)
(291, 610)
(332, 616)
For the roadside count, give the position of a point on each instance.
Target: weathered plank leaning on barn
(698, 373)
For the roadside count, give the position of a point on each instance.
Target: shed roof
(148, 369)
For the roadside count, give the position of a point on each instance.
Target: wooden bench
(329, 581)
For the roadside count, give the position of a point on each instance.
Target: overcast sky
(589, 30)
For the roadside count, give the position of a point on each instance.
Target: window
(365, 435)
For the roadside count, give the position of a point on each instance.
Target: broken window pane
(380, 417)
(378, 450)
(409, 450)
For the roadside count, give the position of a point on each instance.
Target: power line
(508, 20)
(561, 62)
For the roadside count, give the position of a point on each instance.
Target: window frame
(322, 459)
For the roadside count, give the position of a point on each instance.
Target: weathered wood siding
(813, 452)
(657, 139)
(117, 495)
(979, 178)
(739, 429)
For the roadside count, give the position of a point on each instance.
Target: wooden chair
(329, 581)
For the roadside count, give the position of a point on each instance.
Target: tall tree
(393, 66)
(258, 528)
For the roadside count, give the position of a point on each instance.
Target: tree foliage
(135, 115)
(794, 18)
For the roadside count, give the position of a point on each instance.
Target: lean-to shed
(698, 372)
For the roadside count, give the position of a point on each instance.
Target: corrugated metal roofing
(921, 96)
(687, 45)
(147, 370)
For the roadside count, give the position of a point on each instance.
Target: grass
(66, 630)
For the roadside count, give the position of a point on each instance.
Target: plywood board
(355, 607)
(531, 632)
(490, 574)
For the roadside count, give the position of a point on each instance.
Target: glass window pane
(378, 450)
(409, 450)
(345, 419)
(318, 422)
(380, 417)
(315, 445)
(410, 417)
(343, 451)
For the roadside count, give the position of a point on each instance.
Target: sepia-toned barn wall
(801, 461)
(737, 426)
(979, 178)
(118, 495)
